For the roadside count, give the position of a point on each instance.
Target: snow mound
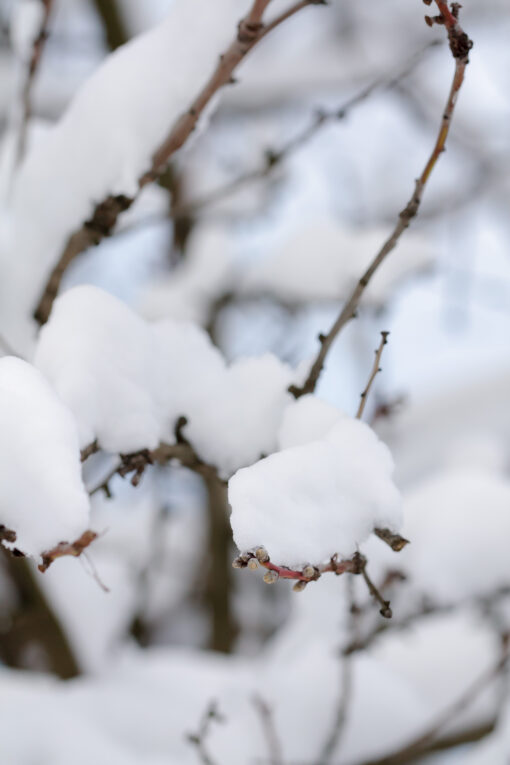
(308, 502)
(42, 497)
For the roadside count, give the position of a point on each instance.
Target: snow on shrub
(323, 498)
(128, 382)
(42, 497)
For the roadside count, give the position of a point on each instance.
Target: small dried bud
(238, 563)
(253, 564)
(262, 555)
(309, 572)
(429, 21)
(386, 612)
(299, 586)
(270, 577)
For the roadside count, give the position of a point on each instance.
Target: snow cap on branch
(310, 502)
(42, 497)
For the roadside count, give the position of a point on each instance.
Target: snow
(459, 524)
(307, 419)
(26, 22)
(104, 143)
(128, 381)
(103, 362)
(191, 289)
(309, 502)
(322, 260)
(42, 497)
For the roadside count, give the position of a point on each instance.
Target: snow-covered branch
(251, 30)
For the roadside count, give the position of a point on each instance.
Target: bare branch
(375, 371)
(273, 158)
(105, 215)
(268, 725)
(460, 45)
(198, 739)
(423, 743)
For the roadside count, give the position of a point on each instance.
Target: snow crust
(128, 381)
(308, 502)
(42, 497)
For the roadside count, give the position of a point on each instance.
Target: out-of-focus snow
(42, 497)
(309, 502)
(459, 523)
(323, 261)
(203, 276)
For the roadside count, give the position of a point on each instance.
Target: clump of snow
(459, 522)
(127, 382)
(306, 503)
(323, 260)
(237, 422)
(307, 419)
(104, 143)
(42, 497)
(102, 360)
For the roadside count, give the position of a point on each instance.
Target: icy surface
(306, 503)
(42, 497)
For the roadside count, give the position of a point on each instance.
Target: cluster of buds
(302, 575)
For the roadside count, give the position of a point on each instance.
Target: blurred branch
(424, 743)
(115, 29)
(33, 66)
(460, 45)
(485, 603)
(270, 733)
(375, 371)
(198, 739)
(33, 621)
(250, 32)
(273, 158)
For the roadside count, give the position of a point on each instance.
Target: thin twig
(334, 737)
(375, 371)
(274, 746)
(273, 158)
(104, 217)
(198, 739)
(460, 45)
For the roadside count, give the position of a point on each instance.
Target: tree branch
(375, 371)
(104, 217)
(273, 158)
(425, 742)
(460, 45)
